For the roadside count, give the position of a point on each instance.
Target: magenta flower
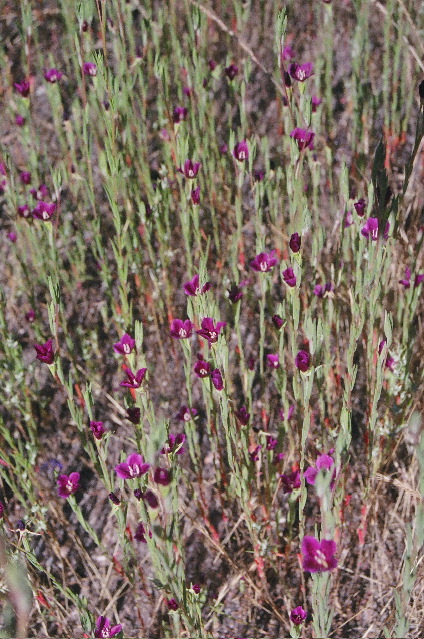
(41, 193)
(134, 414)
(45, 352)
(89, 68)
(98, 429)
(1, 510)
(278, 321)
(271, 443)
(25, 177)
(192, 287)
(318, 556)
(418, 279)
(104, 629)
(187, 91)
(348, 219)
(12, 236)
(406, 282)
(290, 413)
(23, 88)
(235, 293)
(243, 416)
(290, 481)
(149, 496)
(302, 361)
(140, 533)
(133, 381)
(185, 414)
(125, 345)
(212, 64)
(287, 53)
(370, 230)
(174, 445)
(190, 169)
(301, 72)
(241, 151)
(295, 242)
(289, 277)
(180, 329)
(360, 206)
(52, 75)
(323, 462)
(172, 604)
(264, 262)
(209, 330)
(195, 196)
(297, 616)
(180, 114)
(44, 211)
(202, 369)
(162, 476)
(23, 211)
(320, 291)
(68, 485)
(30, 316)
(114, 499)
(390, 362)
(304, 138)
(273, 360)
(315, 103)
(231, 71)
(217, 380)
(19, 119)
(134, 466)
(254, 454)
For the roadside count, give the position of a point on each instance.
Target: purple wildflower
(187, 91)
(19, 120)
(271, 443)
(202, 368)
(209, 330)
(323, 462)
(243, 416)
(254, 454)
(217, 380)
(23, 211)
(348, 219)
(273, 360)
(418, 279)
(52, 75)
(406, 282)
(290, 481)
(303, 361)
(278, 321)
(390, 362)
(259, 175)
(241, 151)
(98, 429)
(125, 345)
(212, 64)
(30, 316)
(134, 414)
(149, 497)
(287, 53)
(195, 196)
(289, 277)
(180, 114)
(114, 499)
(172, 604)
(45, 352)
(23, 88)
(196, 588)
(162, 476)
(134, 466)
(174, 445)
(231, 71)
(104, 629)
(301, 72)
(370, 230)
(44, 210)
(235, 293)
(360, 206)
(192, 287)
(304, 138)
(140, 533)
(320, 291)
(89, 68)
(12, 236)
(133, 381)
(1, 510)
(180, 329)
(315, 103)
(41, 193)
(190, 169)
(68, 485)
(25, 177)
(297, 616)
(295, 242)
(185, 414)
(318, 556)
(290, 413)
(264, 262)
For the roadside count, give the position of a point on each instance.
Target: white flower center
(263, 266)
(69, 486)
(320, 558)
(301, 75)
(190, 173)
(182, 332)
(45, 215)
(203, 371)
(186, 416)
(134, 470)
(242, 155)
(212, 335)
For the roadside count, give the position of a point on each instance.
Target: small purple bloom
(254, 454)
(19, 119)
(303, 361)
(406, 282)
(23, 88)
(295, 242)
(290, 413)
(418, 279)
(125, 345)
(209, 330)
(44, 211)
(25, 177)
(114, 499)
(89, 68)
(360, 207)
(287, 53)
(174, 445)
(187, 91)
(370, 230)
(12, 236)
(202, 368)
(217, 380)
(301, 72)
(192, 287)
(223, 148)
(235, 293)
(195, 196)
(297, 616)
(180, 114)
(264, 262)
(45, 352)
(290, 481)
(289, 277)
(30, 316)
(133, 381)
(1, 510)
(103, 628)
(98, 429)
(140, 533)
(23, 211)
(304, 138)
(212, 65)
(315, 103)
(185, 414)
(149, 497)
(134, 466)
(190, 169)
(172, 604)
(271, 443)
(259, 175)
(320, 291)
(134, 414)
(180, 329)
(323, 462)
(41, 193)
(196, 588)
(68, 485)
(231, 71)
(318, 556)
(241, 151)
(348, 219)
(52, 75)
(162, 476)
(273, 360)
(278, 321)
(243, 416)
